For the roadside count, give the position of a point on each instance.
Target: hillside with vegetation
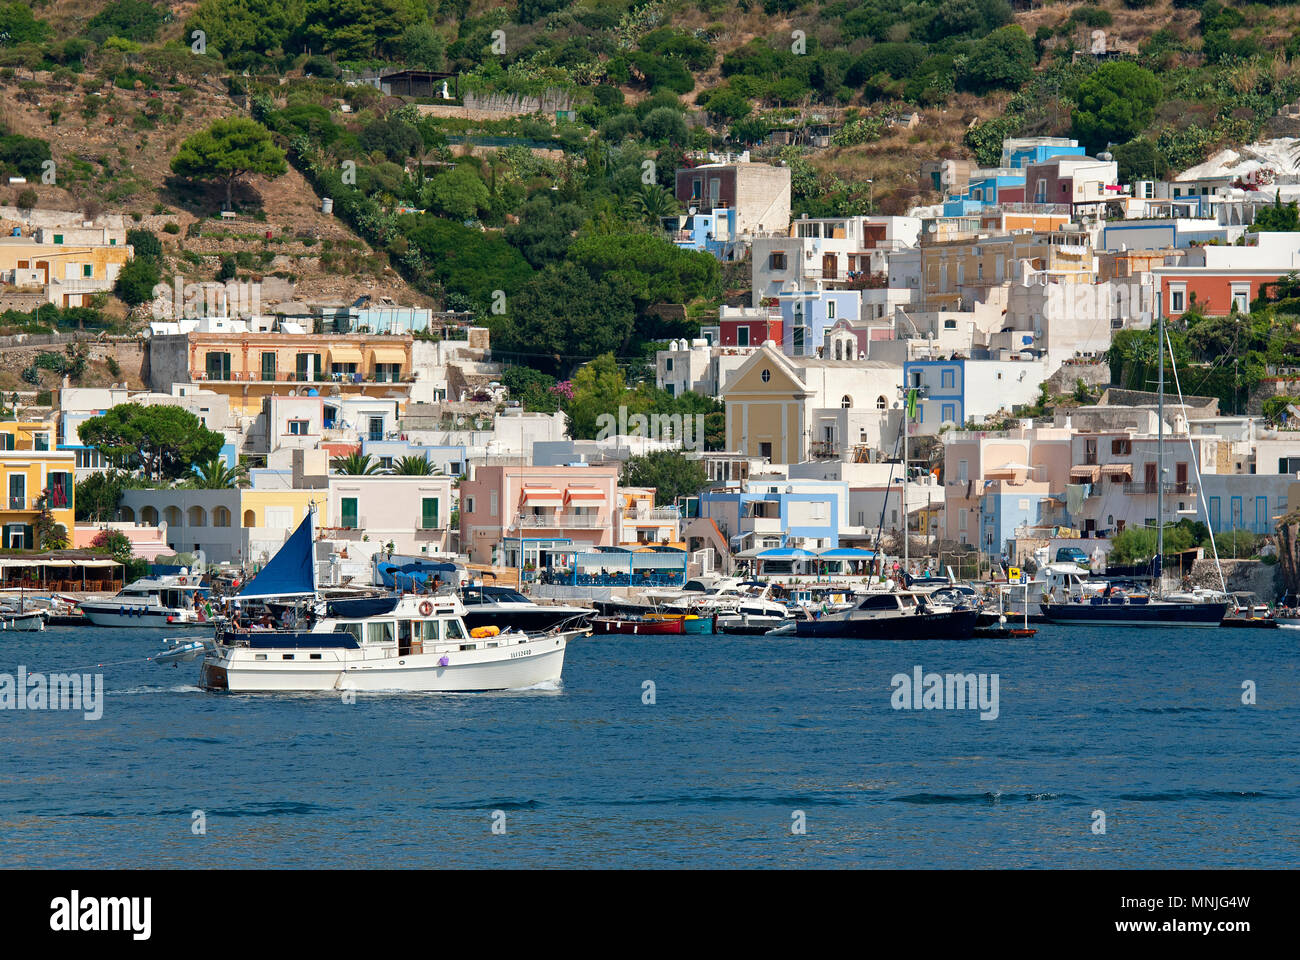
(549, 225)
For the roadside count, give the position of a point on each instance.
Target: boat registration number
(520, 653)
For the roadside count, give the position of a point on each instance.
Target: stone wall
(1093, 374)
(1262, 579)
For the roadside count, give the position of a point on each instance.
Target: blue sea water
(1147, 725)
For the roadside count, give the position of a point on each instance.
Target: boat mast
(907, 425)
(1160, 458)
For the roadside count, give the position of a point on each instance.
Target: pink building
(522, 516)
(1038, 457)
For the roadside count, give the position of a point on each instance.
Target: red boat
(636, 625)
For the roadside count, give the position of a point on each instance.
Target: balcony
(558, 521)
(824, 449)
(1172, 489)
(761, 524)
(656, 517)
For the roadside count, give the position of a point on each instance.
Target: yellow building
(949, 267)
(32, 471)
(70, 272)
(281, 510)
(642, 524)
(249, 367)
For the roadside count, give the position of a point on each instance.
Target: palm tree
(356, 464)
(653, 203)
(215, 475)
(413, 467)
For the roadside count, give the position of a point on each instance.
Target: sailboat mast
(1160, 457)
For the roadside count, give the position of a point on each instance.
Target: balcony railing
(656, 516)
(1172, 488)
(559, 521)
(824, 448)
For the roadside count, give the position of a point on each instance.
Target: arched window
(839, 350)
(846, 401)
(220, 517)
(126, 515)
(173, 516)
(149, 515)
(198, 517)
(250, 519)
(881, 403)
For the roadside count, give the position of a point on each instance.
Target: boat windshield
(493, 595)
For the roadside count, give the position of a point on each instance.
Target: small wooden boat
(1001, 632)
(1260, 623)
(637, 625)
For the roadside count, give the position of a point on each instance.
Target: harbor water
(678, 751)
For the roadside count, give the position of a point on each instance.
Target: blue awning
(846, 553)
(785, 553)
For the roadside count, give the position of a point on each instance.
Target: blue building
(807, 315)
(713, 233)
(1018, 154)
(987, 187)
(942, 397)
(779, 512)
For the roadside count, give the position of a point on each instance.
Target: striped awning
(1117, 470)
(388, 355)
(543, 497)
(584, 493)
(1087, 473)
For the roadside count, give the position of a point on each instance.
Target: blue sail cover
(291, 572)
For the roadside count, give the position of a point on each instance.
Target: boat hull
(955, 625)
(511, 667)
(528, 620)
(1135, 614)
(612, 625)
(119, 615)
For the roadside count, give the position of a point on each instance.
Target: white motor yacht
(166, 601)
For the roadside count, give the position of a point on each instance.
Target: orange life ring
(426, 608)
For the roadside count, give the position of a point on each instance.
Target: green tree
(18, 25)
(654, 269)
(99, 495)
(213, 474)
(136, 280)
(145, 245)
(598, 389)
(1004, 60)
(668, 471)
(422, 47)
(545, 229)
(228, 150)
(1235, 544)
(562, 315)
(1134, 545)
(413, 467)
(234, 26)
(1280, 218)
(459, 193)
(357, 29)
(355, 464)
(131, 19)
(1115, 104)
(161, 441)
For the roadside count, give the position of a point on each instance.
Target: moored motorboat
(167, 601)
(897, 615)
(645, 626)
